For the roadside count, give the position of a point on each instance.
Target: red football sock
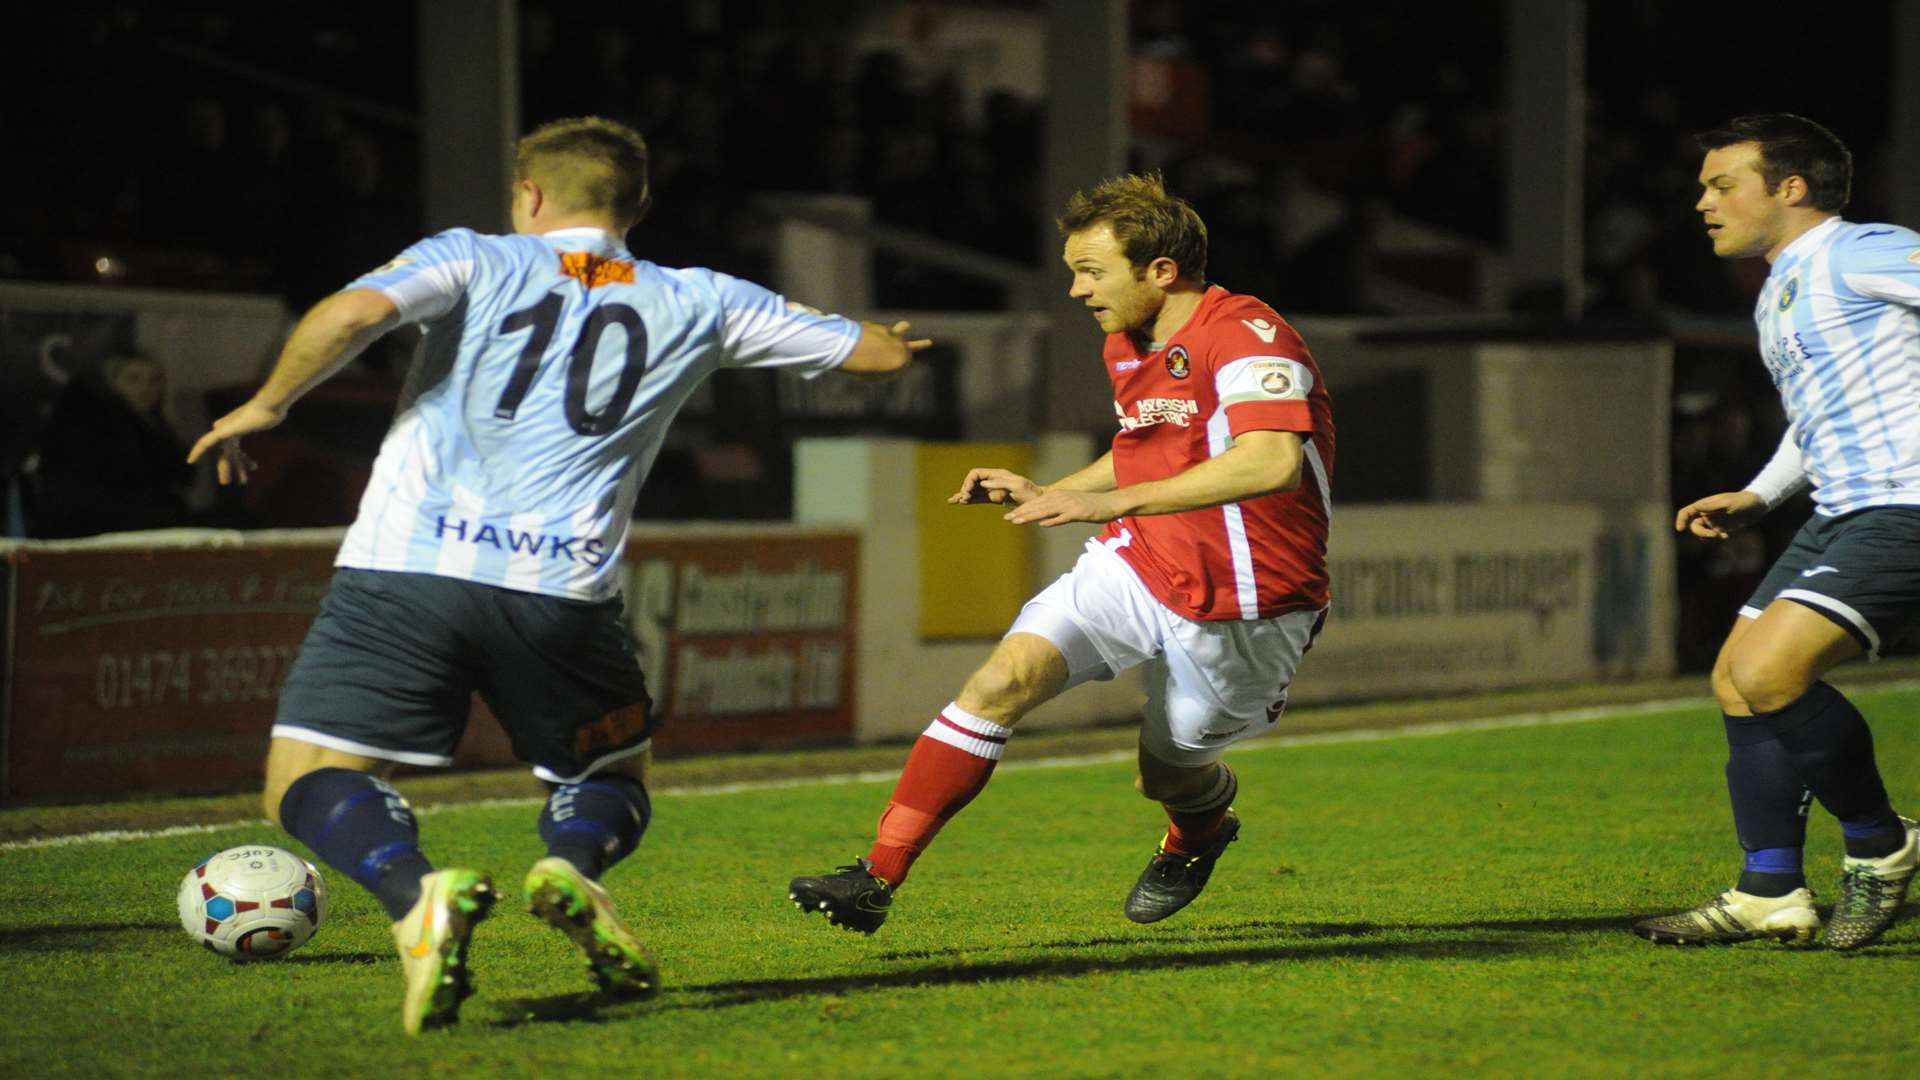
(1194, 824)
(950, 764)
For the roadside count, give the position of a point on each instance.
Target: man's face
(1120, 296)
(1743, 218)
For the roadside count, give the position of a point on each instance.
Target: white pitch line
(1548, 718)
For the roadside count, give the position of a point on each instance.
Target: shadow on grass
(581, 1007)
(1262, 929)
(79, 937)
(1288, 942)
(753, 991)
(1299, 945)
(336, 958)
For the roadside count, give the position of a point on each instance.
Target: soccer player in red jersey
(1211, 568)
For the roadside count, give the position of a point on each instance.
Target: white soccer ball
(249, 903)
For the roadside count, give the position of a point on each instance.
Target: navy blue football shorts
(1862, 570)
(390, 666)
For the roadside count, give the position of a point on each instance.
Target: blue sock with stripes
(596, 823)
(359, 825)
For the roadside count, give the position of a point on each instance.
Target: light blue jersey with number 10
(551, 368)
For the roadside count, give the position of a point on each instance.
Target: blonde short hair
(587, 164)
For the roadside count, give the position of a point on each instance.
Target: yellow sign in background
(975, 569)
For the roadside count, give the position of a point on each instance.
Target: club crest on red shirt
(1177, 365)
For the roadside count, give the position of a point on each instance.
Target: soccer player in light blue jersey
(1839, 320)
(486, 552)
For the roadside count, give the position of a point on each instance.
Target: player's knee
(274, 791)
(1723, 689)
(1763, 685)
(635, 767)
(280, 780)
(999, 691)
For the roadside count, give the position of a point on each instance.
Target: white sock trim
(975, 735)
(978, 725)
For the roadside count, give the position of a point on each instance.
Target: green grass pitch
(1446, 905)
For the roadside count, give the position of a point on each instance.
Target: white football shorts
(1209, 684)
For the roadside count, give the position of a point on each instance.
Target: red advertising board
(748, 640)
(141, 671)
(150, 670)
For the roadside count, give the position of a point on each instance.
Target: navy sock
(1831, 745)
(1769, 807)
(1874, 837)
(360, 826)
(596, 823)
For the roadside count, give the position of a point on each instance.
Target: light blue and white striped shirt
(1839, 321)
(550, 370)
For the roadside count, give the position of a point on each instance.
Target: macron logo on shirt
(1261, 328)
(593, 551)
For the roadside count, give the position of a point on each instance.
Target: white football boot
(433, 940)
(1735, 916)
(1871, 891)
(579, 907)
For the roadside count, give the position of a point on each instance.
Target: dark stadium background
(217, 146)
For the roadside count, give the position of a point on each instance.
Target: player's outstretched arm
(1259, 463)
(882, 351)
(1001, 486)
(338, 329)
(1717, 517)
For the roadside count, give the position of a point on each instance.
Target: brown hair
(1148, 222)
(1791, 146)
(587, 163)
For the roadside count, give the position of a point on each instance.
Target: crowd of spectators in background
(282, 155)
(249, 141)
(109, 459)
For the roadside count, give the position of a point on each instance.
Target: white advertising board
(1468, 596)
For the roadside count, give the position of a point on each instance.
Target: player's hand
(1053, 507)
(1717, 517)
(995, 486)
(883, 352)
(234, 465)
(902, 328)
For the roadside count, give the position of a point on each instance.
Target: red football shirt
(1236, 366)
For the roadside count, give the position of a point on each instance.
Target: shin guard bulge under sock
(597, 822)
(950, 764)
(358, 824)
(1769, 806)
(1192, 823)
